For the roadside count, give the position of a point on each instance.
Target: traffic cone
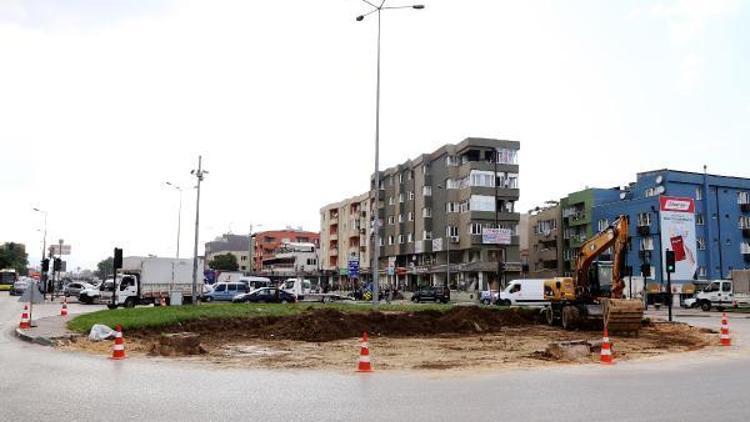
(118, 350)
(724, 337)
(64, 309)
(606, 355)
(25, 323)
(364, 356)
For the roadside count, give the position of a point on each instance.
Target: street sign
(354, 268)
(496, 236)
(55, 250)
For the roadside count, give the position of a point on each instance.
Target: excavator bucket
(622, 315)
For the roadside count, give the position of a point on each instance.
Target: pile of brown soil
(322, 325)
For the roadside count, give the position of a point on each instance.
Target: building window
(401, 178)
(400, 218)
(603, 224)
(426, 212)
(701, 271)
(391, 220)
(744, 222)
(401, 198)
(647, 244)
(411, 196)
(410, 216)
(745, 247)
(699, 219)
(427, 190)
(650, 192)
(701, 243)
(401, 239)
(482, 178)
(409, 238)
(475, 228)
(507, 156)
(464, 206)
(698, 193)
(452, 184)
(390, 200)
(482, 203)
(644, 219)
(380, 241)
(243, 258)
(451, 231)
(452, 160)
(425, 169)
(743, 198)
(427, 235)
(451, 207)
(390, 240)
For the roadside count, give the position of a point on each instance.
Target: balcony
(577, 241)
(333, 221)
(333, 236)
(578, 219)
(644, 230)
(333, 252)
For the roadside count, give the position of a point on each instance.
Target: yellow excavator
(577, 300)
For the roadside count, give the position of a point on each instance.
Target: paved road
(38, 383)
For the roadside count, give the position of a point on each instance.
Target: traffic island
(457, 338)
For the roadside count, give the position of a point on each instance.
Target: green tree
(13, 255)
(104, 268)
(225, 262)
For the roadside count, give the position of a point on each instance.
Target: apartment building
(235, 244)
(293, 259)
(266, 244)
(544, 241)
(433, 211)
(346, 235)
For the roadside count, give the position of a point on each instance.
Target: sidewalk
(46, 331)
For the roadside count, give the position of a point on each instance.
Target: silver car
(74, 288)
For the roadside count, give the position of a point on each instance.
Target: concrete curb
(23, 335)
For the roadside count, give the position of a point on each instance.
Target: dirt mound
(322, 325)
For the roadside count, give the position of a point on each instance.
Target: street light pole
(179, 216)
(375, 226)
(199, 173)
(42, 274)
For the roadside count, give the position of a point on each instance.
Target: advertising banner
(677, 217)
(496, 236)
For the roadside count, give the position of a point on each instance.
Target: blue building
(722, 220)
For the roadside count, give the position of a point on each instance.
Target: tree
(13, 255)
(104, 268)
(225, 262)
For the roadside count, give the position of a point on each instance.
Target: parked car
(18, 287)
(432, 294)
(74, 288)
(226, 291)
(266, 295)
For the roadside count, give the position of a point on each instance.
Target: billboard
(677, 218)
(496, 236)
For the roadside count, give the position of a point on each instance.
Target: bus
(8, 276)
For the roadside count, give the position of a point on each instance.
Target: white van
(255, 282)
(524, 292)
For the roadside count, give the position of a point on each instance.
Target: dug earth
(461, 339)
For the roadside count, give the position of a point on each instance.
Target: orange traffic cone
(64, 309)
(724, 337)
(25, 323)
(118, 350)
(606, 356)
(364, 356)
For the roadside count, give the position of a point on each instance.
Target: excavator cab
(559, 288)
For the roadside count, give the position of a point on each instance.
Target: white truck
(523, 292)
(721, 294)
(146, 280)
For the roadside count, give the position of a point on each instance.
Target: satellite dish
(623, 195)
(659, 179)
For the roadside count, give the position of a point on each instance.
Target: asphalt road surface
(39, 383)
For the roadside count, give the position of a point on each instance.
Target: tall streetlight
(179, 215)
(42, 274)
(199, 173)
(376, 238)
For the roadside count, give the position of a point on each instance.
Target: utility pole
(199, 173)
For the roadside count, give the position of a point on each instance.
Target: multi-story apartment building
(345, 235)
(266, 244)
(292, 260)
(432, 211)
(237, 245)
(544, 241)
(721, 213)
(576, 226)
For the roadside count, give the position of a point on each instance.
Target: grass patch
(150, 317)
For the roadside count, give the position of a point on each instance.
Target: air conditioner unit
(454, 239)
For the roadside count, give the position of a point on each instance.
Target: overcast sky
(103, 101)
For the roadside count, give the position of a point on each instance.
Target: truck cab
(718, 293)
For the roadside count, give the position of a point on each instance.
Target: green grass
(151, 317)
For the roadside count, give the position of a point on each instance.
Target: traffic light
(57, 264)
(646, 270)
(45, 265)
(670, 261)
(117, 261)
